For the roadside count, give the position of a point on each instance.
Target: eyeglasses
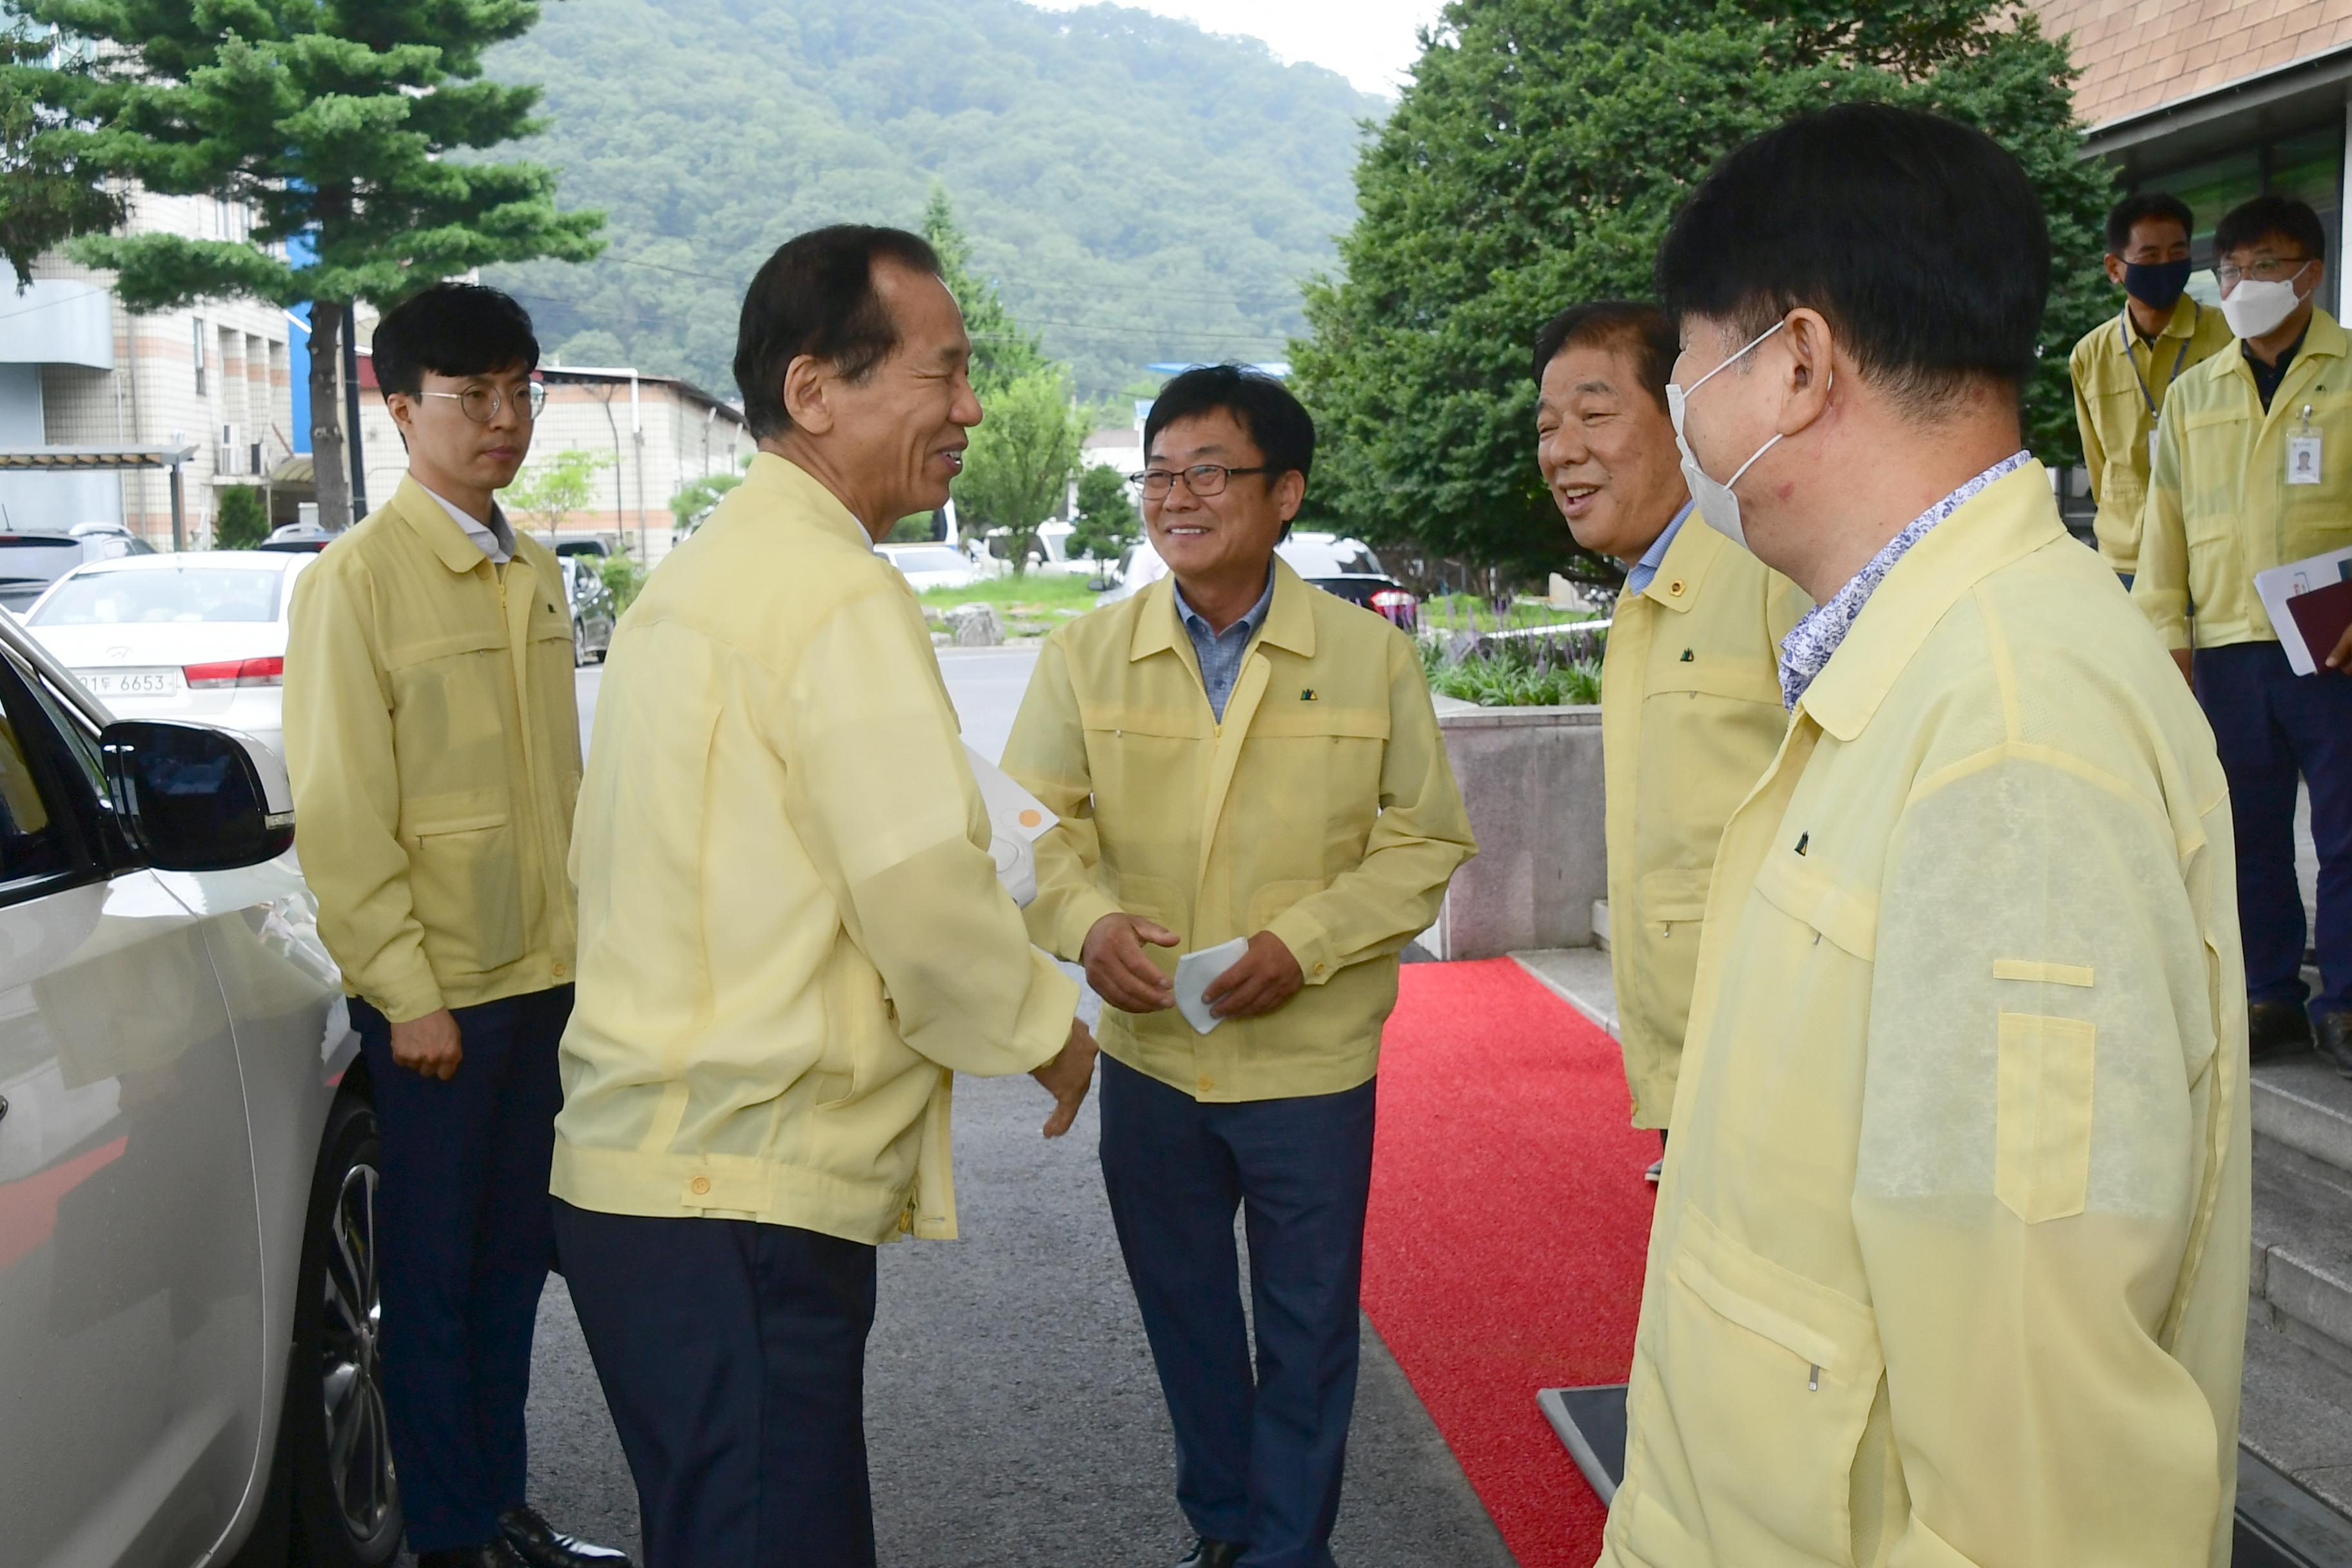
(481, 403)
(2271, 270)
(1203, 479)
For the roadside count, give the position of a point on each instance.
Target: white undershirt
(495, 538)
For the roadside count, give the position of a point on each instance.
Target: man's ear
(403, 409)
(1810, 373)
(1289, 495)
(808, 386)
(2115, 269)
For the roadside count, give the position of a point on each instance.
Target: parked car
(188, 1158)
(29, 563)
(195, 635)
(596, 547)
(304, 538)
(931, 565)
(1332, 562)
(593, 614)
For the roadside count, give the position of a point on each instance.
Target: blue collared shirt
(1220, 652)
(1806, 650)
(1646, 569)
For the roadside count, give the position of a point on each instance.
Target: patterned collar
(1805, 651)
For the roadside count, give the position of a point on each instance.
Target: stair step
(2304, 1104)
(2296, 1418)
(2302, 1260)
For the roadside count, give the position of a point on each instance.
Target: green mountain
(1138, 190)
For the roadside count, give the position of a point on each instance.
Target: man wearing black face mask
(2123, 367)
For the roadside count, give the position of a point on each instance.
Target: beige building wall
(2136, 55)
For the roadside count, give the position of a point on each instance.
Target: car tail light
(236, 672)
(1398, 605)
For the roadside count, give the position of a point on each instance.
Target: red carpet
(1508, 1222)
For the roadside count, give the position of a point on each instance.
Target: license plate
(163, 682)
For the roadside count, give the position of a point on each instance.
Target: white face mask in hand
(2254, 308)
(1716, 501)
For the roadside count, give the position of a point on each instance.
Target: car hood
(167, 642)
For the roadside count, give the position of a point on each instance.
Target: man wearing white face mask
(2253, 466)
(1949, 1264)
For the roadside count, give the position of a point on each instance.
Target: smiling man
(1690, 697)
(792, 932)
(1239, 758)
(434, 749)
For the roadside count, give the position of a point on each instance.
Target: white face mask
(2254, 308)
(1716, 501)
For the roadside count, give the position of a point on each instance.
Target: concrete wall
(1532, 780)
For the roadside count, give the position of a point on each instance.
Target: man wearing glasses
(2253, 470)
(1240, 763)
(434, 742)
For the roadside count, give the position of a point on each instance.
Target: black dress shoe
(540, 1545)
(1208, 1553)
(489, 1555)
(2335, 1041)
(2275, 1028)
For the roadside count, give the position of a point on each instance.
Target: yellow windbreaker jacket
(1323, 810)
(2115, 376)
(1690, 716)
(433, 740)
(1950, 1262)
(792, 932)
(2221, 509)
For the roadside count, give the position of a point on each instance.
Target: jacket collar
(2324, 339)
(2012, 518)
(2184, 322)
(415, 505)
(1693, 554)
(1289, 621)
(803, 498)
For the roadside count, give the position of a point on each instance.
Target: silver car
(188, 1365)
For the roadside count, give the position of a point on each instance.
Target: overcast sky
(1370, 42)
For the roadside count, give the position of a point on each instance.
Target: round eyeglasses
(1203, 479)
(481, 403)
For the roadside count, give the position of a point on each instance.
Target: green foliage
(1107, 521)
(913, 529)
(50, 189)
(1531, 674)
(1537, 159)
(691, 506)
(1003, 351)
(1047, 592)
(714, 130)
(242, 521)
(1018, 468)
(624, 579)
(557, 486)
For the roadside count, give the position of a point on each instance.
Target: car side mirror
(192, 798)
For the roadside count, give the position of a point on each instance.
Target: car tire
(579, 645)
(346, 1497)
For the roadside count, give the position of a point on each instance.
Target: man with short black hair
(791, 931)
(1949, 1264)
(434, 742)
(2122, 369)
(2254, 470)
(1247, 767)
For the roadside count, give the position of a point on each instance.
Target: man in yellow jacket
(2254, 470)
(792, 932)
(435, 748)
(1690, 697)
(1249, 774)
(2123, 369)
(1950, 1262)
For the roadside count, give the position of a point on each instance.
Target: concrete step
(2301, 1279)
(1578, 977)
(2297, 1418)
(2302, 1119)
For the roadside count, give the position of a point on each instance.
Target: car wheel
(579, 645)
(346, 1497)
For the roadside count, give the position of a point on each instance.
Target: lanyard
(2123, 330)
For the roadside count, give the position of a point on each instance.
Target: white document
(2280, 584)
(1196, 972)
(1017, 820)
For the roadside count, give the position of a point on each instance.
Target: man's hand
(1117, 968)
(1265, 977)
(1068, 1076)
(429, 1044)
(2340, 660)
(2183, 657)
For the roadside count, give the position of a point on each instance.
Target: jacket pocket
(465, 882)
(1770, 1380)
(2041, 1161)
(1672, 896)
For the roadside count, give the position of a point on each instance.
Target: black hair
(1634, 328)
(1917, 238)
(2249, 223)
(1265, 409)
(2145, 206)
(815, 295)
(451, 329)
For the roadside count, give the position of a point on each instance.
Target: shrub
(242, 522)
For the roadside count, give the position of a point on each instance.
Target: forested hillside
(1138, 190)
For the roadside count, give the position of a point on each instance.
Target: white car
(930, 565)
(199, 635)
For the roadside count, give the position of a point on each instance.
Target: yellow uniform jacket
(2117, 376)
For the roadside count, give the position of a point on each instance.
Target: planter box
(1531, 778)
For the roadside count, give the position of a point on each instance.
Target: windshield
(211, 593)
(940, 560)
(1330, 558)
(37, 560)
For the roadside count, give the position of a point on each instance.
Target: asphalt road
(1011, 1411)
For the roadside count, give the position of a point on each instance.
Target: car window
(37, 840)
(37, 560)
(940, 559)
(163, 597)
(1327, 558)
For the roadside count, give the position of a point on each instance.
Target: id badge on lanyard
(2147, 394)
(2304, 456)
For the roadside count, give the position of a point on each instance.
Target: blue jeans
(463, 1246)
(1259, 1454)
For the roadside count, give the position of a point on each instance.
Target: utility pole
(352, 406)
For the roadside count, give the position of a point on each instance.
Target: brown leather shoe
(2275, 1029)
(2335, 1041)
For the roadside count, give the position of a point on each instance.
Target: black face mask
(2156, 284)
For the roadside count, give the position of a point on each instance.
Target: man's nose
(1180, 497)
(966, 411)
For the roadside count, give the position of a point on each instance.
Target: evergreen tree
(49, 193)
(1003, 351)
(1107, 521)
(335, 121)
(1018, 467)
(1536, 160)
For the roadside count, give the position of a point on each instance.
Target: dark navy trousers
(1259, 1452)
(732, 1356)
(463, 1245)
(2272, 725)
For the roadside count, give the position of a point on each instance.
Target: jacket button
(1207, 1083)
(1676, 587)
(701, 1185)
(562, 970)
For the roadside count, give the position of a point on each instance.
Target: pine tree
(335, 121)
(1003, 351)
(1537, 159)
(49, 194)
